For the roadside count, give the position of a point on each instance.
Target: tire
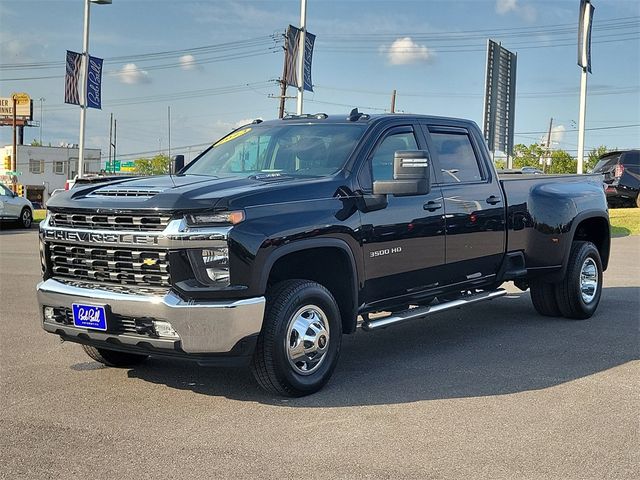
(112, 358)
(543, 297)
(26, 218)
(638, 200)
(299, 313)
(578, 294)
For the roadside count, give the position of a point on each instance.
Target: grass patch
(38, 215)
(625, 221)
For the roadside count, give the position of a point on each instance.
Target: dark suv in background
(621, 172)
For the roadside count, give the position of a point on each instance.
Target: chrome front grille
(121, 266)
(122, 222)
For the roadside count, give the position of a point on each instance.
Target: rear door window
(456, 156)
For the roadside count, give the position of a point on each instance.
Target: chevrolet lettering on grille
(100, 237)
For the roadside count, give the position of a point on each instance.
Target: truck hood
(184, 192)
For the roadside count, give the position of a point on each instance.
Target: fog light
(49, 313)
(164, 329)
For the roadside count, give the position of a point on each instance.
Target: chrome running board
(420, 312)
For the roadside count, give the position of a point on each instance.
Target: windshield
(300, 150)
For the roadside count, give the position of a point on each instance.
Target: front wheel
(578, 293)
(299, 345)
(26, 218)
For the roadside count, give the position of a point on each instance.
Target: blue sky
(358, 61)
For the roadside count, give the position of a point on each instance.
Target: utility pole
(283, 83)
(14, 158)
(111, 167)
(169, 129)
(393, 101)
(42, 99)
(115, 143)
(301, 45)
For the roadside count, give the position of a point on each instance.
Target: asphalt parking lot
(491, 391)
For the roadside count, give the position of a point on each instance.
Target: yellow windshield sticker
(232, 136)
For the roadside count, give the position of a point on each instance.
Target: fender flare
(309, 244)
(577, 220)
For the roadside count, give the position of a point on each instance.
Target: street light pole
(42, 99)
(83, 86)
(301, 45)
(83, 80)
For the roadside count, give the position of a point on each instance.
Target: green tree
(527, 156)
(562, 162)
(35, 143)
(594, 155)
(158, 165)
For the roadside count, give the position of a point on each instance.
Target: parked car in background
(14, 207)
(621, 171)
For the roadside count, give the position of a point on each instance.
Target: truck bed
(537, 207)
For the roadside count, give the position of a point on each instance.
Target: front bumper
(203, 327)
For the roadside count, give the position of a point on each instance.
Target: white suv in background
(13, 207)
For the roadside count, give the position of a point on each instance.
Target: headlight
(217, 218)
(211, 266)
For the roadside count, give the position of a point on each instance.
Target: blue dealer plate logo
(89, 316)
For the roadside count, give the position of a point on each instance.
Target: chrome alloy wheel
(588, 280)
(26, 218)
(307, 339)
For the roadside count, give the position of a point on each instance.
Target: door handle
(492, 200)
(432, 206)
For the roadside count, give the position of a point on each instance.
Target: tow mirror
(411, 175)
(178, 163)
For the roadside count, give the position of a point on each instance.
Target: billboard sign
(499, 98)
(24, 110)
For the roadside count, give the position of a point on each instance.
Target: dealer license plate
(89, 316)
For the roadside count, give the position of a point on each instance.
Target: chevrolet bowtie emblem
(150, 261)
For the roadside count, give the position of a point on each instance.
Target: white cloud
(132, 74)
(557, 135)
(505, 6)
(188, 62)
(525, 11)
(404, 51)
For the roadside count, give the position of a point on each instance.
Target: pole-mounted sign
(499, 98)
(584, 62)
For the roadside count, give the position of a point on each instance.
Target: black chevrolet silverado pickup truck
(284, 235)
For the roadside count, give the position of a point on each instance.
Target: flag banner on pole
(72, 75)
(309, 41)
(292, 46)
(584, 34)
(94, 83)
(291, 55)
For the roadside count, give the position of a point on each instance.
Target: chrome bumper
(202, 327)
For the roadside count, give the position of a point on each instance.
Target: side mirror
(178, 163)
(411, 175)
